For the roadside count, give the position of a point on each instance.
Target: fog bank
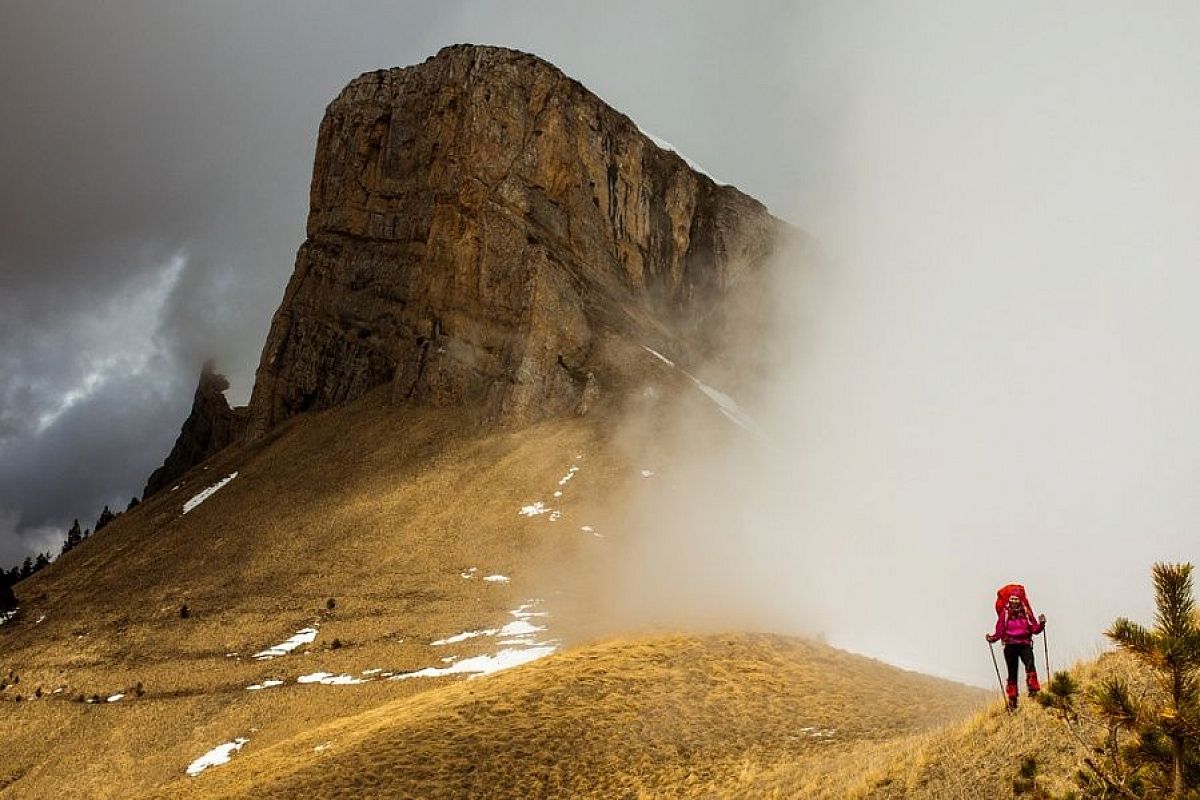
(992, 374)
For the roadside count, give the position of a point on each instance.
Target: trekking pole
(996, 666)
(1046, 650)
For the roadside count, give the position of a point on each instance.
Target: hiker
(1016, 627)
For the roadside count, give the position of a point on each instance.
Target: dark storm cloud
(155, 161)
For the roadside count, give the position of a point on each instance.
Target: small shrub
(184, 611)
(331, 604)
(336, 644)
(138, 691)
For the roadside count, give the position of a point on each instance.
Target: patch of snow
(176, 486)
(555, 515)
(647, 473)
(469, 574)
(375, 671)
(558, 494)
(40, 620)
(114, 698)
(321, 747)
(665, 145)
(329, 679)
(533, 509)
(267, 684)
(497, 579)
(482, 665)
(523, 611)
(7, 615)
(462, 637)
(729, 407)
(207, 493)
(520, 633)
(725, 404)
(520, 628)
(818, 733)
(659, 356)
(217, 756)
(302, 636)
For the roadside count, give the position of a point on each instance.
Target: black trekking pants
(1022, 651)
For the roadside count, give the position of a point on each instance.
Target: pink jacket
(1016, 628)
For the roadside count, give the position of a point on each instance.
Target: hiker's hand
(1042, 618)
(989, 638)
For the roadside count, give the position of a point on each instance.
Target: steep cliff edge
(210, 427)
(486, 232)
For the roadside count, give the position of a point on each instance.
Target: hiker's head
(1014, 603)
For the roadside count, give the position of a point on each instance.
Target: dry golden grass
(680, 716)
(382, 508)
(975, 758)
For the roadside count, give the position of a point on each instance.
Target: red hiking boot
(1010, 692)
(1031, 683)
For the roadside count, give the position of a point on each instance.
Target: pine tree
(133, 503)
(26, 567)
(1168, 730)
(106, 516)
(74, 537)
(41, 562)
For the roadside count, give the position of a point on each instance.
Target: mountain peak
(486, 232)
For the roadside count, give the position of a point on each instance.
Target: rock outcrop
(485, 231)
(210, 427)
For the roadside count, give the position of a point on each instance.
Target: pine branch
(1131, 636)
(1173, 597)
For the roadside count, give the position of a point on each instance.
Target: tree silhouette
(106, 516)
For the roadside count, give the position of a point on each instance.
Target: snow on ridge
(7, 615)
(217, 756)
(207, 493)
(497, 579)
(725, 404)
(267, 684)
(302, 636)
(665, 145)
(114, 698)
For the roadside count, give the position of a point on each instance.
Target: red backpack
(1009, 590)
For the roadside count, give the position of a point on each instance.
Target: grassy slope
(977, 757)
(377, 507)
(669, 716)
(382, 508)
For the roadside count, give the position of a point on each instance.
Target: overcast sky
(1002, 367)
(156, 159)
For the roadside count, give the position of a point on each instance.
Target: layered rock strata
(485, 231)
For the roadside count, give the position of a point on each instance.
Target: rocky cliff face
(485, 231)
(210, 427)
